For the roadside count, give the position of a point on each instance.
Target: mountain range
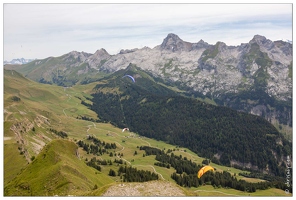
(18, 61)
(254, 77)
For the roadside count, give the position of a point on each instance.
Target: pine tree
(112, 172)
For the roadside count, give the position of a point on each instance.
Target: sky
(38, 31)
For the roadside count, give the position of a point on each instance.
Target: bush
(32, 158)
(112, 172)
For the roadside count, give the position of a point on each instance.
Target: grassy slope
(36, 100)
(56, 171)
(62, 106)
(13, 161)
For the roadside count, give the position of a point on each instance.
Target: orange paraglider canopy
(204, 170)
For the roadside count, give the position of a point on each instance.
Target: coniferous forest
(186, 174)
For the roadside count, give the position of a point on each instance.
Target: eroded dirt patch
(151, 188)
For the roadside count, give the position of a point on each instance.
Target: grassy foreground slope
(57, 170)
(31, 109)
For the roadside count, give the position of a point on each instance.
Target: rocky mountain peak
(98, 58)
(173, 43)
(258, 39)
(200, 44)
(101, 52)
(263, 42)
(173, 36)
(82, 56)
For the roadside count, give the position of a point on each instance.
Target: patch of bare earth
(151, 188)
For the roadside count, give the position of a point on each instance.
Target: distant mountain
(254, 77)
(18, 61)
(286, 40)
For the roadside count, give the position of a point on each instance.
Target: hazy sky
(44, 30)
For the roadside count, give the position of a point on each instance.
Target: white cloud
(42, 30)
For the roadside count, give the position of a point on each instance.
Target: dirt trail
(151, 188)
(153, 170)
(121, 157)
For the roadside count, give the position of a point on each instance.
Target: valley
(39, 162)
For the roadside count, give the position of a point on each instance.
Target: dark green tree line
(131, 174)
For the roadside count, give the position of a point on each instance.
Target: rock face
(98, 58)
(216, 71)
(173, 43)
